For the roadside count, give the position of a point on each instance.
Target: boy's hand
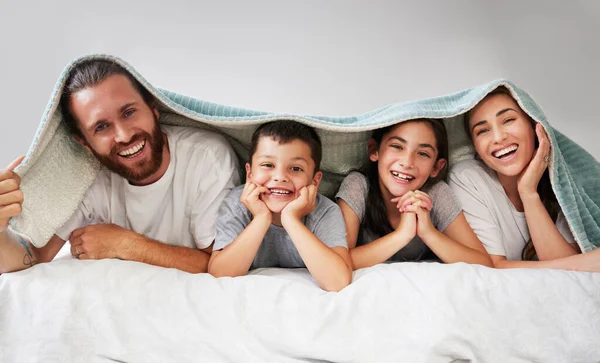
(304, 203)
(251, 199)
(11, 196)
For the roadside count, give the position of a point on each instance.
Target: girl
(506, 194)
(387, 215)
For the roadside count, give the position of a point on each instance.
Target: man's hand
(99, 241)
(304, 203)
(11, 196)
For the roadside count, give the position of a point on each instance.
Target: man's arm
(160, 254)
(100, 241)
(17, 253)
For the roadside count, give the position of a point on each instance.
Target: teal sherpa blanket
(57, 171)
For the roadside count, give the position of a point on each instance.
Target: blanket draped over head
(57, 171)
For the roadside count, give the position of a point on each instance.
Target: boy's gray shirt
(277, 249)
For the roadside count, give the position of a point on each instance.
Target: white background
(313, 57)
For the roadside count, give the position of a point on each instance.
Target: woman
(506, 194)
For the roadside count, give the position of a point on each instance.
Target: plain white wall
(314, 57)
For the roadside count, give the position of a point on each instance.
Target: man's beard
(143, 169)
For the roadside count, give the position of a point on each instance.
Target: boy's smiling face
(283, 169)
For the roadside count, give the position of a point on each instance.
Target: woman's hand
(527, 182)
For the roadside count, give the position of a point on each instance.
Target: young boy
(278, 219)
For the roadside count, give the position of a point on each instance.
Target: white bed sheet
(119, 311)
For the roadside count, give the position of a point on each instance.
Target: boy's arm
(236, 259)
(330, 267)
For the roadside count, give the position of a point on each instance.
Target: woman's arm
(458, 243)
(548, 241)
(586, 262)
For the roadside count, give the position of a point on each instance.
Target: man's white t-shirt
(180, 208)
(499, 226)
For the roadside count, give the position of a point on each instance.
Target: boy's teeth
(280, 191)
(505, 151)
(133, 149)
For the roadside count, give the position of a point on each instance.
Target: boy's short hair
(285, 131)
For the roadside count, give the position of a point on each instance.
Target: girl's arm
(379, 250)
(458, 243)
(352, 223)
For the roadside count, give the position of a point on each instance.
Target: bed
(120, 311)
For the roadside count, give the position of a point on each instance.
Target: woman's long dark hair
(544, 188)
(376, 220)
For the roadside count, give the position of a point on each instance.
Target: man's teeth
(280, 191)
(402, 175)
(133, 149)
(506, 150)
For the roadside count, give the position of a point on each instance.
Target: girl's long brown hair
(376, 220)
